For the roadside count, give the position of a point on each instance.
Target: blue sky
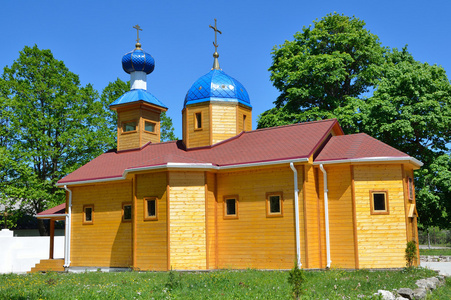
(92, 36)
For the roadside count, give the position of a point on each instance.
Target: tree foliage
(53, 126)
(116, 89)
(338, 69)
(324, 71)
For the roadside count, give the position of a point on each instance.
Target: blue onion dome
(138, 60)
(217, 86)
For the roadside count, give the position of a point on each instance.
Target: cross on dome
(215, 43)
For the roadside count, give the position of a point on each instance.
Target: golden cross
(215, 43)
(137, 32)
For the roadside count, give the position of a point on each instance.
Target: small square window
(198, 120)
(88, 214)
(149, 126)
(379, 202)
(231, 207)
(410, 186)
(128, 126)
(151, 208)
(274, 204)
(126, 212)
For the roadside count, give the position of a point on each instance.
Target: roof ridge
(294, 124)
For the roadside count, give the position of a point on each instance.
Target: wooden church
(227, 196)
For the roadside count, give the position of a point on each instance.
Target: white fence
(20, 254)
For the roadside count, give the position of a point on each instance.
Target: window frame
(154, 128)
(379, 212)
(196, 122)
(146, 206)
(123, 212)
(269, 214)
(230, 197)
(244, 122)
(410, 188)
(129, 121)
(91, 222)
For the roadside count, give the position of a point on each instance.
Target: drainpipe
(326, 215)
(68, 227)
(296, 214)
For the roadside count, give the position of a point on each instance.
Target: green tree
(117, 88)
(411, 111)
(324, 72)
(54, 125)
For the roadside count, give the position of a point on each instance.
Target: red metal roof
(355, 146)
(274, 144)
(59, 209)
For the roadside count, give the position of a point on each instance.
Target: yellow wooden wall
(211, 217)
(151, 235)
(341, 229)
(107, 242)
(313, 215)
(146, 136)
(129, 140)
(224, 123)
(381, 238)
(240, 112)
(187, 230)
(197, 138)
(254, 240)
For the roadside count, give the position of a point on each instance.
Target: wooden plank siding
(224, 123)
(106, 242)
(254, 240)
(198, 137)
(381, 238)
(129, 140)
(239, 121)
(341, 229)
(312, 214)
(151, 238)
(211, 220)
(188, 224)
(153, 116)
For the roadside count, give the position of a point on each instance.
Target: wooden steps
(47, 265)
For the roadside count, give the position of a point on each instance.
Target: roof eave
(409, 159)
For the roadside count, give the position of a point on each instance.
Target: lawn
(226, 284)
(435, 252)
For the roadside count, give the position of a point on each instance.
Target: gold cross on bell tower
(138, 29)
(215, 43)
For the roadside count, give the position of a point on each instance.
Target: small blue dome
(217, 86)
(138, 60)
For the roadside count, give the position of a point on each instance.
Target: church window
(149, 126)
(126, 212)
(244, 122)
(198, 121)
(151, 208)
(379, 202)
(129, 126)
(231, 207)
(274, 204)
(88, 214)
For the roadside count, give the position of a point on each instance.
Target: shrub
(296, 278)
(411, 253)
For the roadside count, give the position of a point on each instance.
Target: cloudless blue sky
(92, 36)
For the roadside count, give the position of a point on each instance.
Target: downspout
(68, 227)
(296, 214)
(326, 215)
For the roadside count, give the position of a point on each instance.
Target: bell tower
(138, 111)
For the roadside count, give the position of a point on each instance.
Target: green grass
(435, 252)
(249, 284)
